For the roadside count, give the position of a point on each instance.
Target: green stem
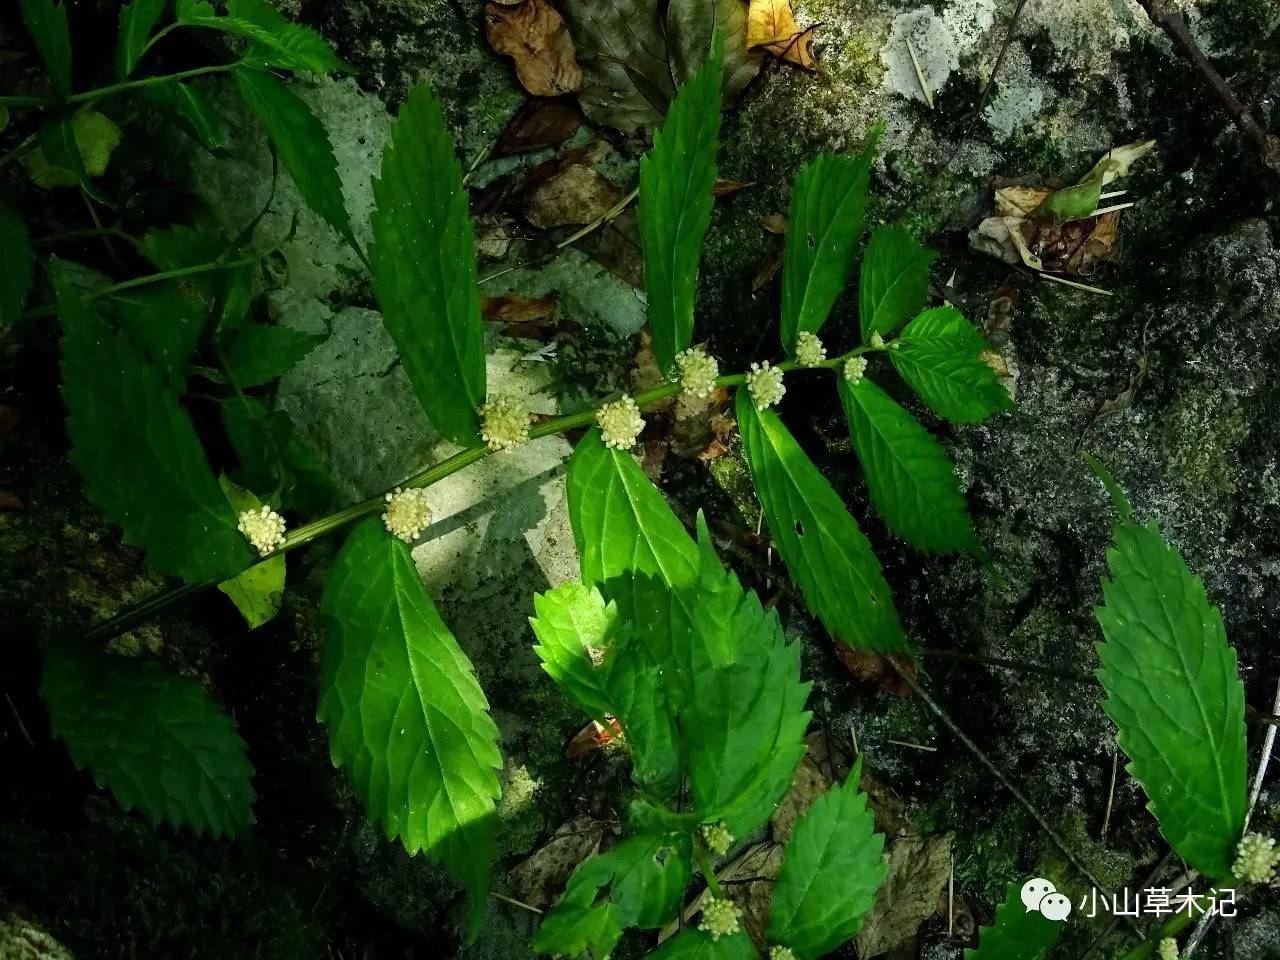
(708, 872)
(18, 152)
(53, 238)
(51, 309)
(326, 525)
(123, 86)
(1173, 926)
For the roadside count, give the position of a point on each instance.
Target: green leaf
(938, 354)
(406, 715)
(831, 869)
(911, 480)
(574, 627)
(424, 268)
(676, 178)
(260, 353)
(637, 883)
(1017, 934)
(692, 28)
(639, 697)
(824, 550)
(1072, 203)
(828, 203)
(47, 23)
(258, 591)
(691, 944)
(301, 143)
(198, 115)
(151, 737)
(273, 458)
(138, 452)
(137, 20)
(180, 246)
(1124, 510)
(895, 281)
(1174, 692)
(165, 322)
(15, 266)
(276, 41)
(622, 525)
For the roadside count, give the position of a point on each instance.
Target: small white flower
(1168, 949)
(719, 918)
(764, 383)
(407, 513)
(717, 838)
(1256, 859)
(877, 342)
(854, 368)
(504, 422)
(781, 953)
(809, 349)
(620, 423)
(264, 528)
(697, 372)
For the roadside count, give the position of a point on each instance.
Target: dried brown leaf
(575, 196)
(10, 501)
(766, 270)
(873, 668)
(534, 35)
(775, 223)
(725, 188)
(771, 26)
(539, 878)
(918, 871)
(539, 124)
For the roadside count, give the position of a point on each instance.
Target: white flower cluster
(854, 368)
(504, 423)
(877, 342)
(717, 838)
(406, 514)
(809, 349)
(620, 423)
(719, 918)
(697, 371)
(781, 953)
(264, 528)
(1256, 859)
(764, 383)
(1168, 949)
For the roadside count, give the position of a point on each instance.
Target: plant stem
(708, 872)
(51, 309)
(1170, 928)
(18, 152)
(123, 86)
(323, 526)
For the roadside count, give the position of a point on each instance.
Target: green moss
(1200, 438)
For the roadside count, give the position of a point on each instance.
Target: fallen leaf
(766, 270)
(1115, 163)
(530, 318)
(539, 878)
(775, 223)
(725, 188)
(534, 35)
(919, 868)
(1122, 400)
(577, 196)
(807, 785)
(493, 238)
(771, 26)
(955, 909)
(10, 501)
(873, 668)
(592, 737)
(539, 124)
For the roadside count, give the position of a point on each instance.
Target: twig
(1017, 665)
(1004, 52)
(1115, 918)
(1174, 24)
(913, 746)
(1111, 792)
(924, 84)
(1075, 284)
(610, 214)
(514, 902)
(21, 726)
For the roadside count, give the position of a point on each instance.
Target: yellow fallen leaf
(534, 35)
(771, 26)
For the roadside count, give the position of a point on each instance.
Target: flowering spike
(719, 918)
(877, 342)
(854, 368)
(1168, 949)
(781, 953)
(620, 423)
(809, 349)
(697, 371)
(1256, 859)
(406, 514)
(717, 838)
(764, 383)
(504, 423)
(264, 528)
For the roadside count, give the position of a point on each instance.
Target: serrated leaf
(639, 697)
(894, 283)
(405, 713)
(180, 246)
(622, 525)
(691, 944)
(15, 266)
(828, 203)
(637, 883)
(276, 41)
(59, 150)
(137, 20)
(47, 23)
(939, 355)
(165, 322)
(258, 591)
(574, 627)
(676, 177)
(1017, 934)
(424, 269)
(692, 27)
(626, 79)
(827, 555)
(139, 454)
(260, 353)
(831, 869)
(151, 737)
(198, 115)
(302, 144)
(1175, 694)
(910, 478)
(273, 458)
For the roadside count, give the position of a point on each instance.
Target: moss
(1201, 434)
